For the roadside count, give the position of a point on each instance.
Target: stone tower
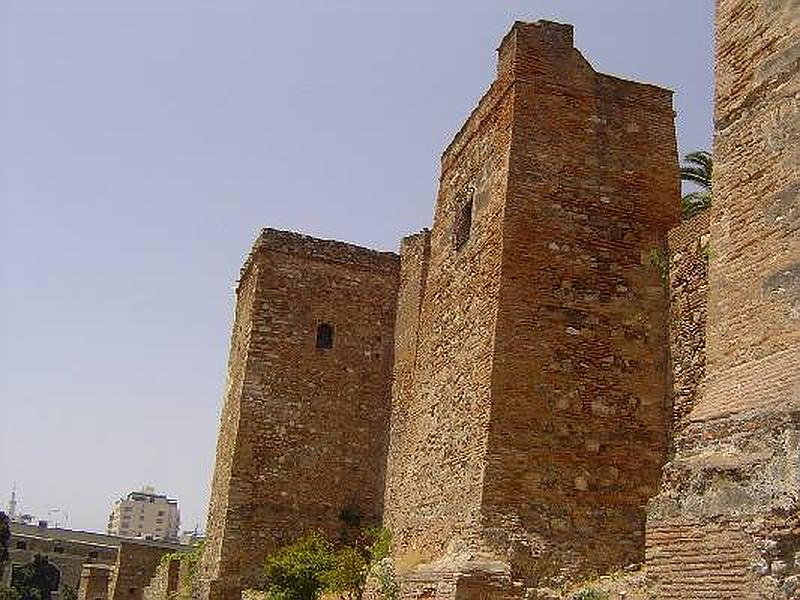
(730, 501)
(529, 411)
(304, 425)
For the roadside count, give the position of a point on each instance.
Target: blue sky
(144, 143)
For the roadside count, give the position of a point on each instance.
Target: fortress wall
(229, 490)
(580, 384)
(445, 418)
(688, 256)
(401, 469)
(136, 564)
(304, 430)
(735, 476)
(754, 278)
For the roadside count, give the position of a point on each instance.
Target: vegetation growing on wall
(189, 562)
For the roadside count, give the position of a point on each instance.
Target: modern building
(145, 514)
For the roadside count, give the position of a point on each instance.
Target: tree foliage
(35, 581)
(299, 571)
(5, 536)
(697, 168)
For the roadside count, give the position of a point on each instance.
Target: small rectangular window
(463, 224)
(325, 336)
(21, 545)
(58, 550)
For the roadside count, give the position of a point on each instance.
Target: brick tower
(529, 408)
(304, 425)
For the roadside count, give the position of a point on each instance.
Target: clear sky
(143, 143)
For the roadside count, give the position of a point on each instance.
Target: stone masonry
(94, 583)
(505, 394)
(134, 568)
(727, 521)
(689, 253)
(304, 425)
(529, 422)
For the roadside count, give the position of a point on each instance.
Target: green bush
(301, 570)
(313, 565)
(589, 594)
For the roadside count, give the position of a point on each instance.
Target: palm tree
(697, 168)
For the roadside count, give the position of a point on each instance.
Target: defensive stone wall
(135, 566)
(164, 583)
(441, 399)
(94, 583)
(529, 423)
(687, 260)
(579, 384)
(727, 521)
(304, 426)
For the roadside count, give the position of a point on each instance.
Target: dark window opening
(93, 554)
(21, 546)
(58, 550)
(463, 224)
(325, 335)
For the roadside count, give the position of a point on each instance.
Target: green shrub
(589, 594)
(313, 565)
(301, 570)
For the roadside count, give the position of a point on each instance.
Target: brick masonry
(726, 524)
(304, 429)
(505, 395)
(528, 424)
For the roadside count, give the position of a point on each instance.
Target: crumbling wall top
(289, 242)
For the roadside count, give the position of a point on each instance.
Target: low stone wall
(136, 565)
(94, 582)
(164, 584)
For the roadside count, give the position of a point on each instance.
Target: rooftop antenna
(12, 504)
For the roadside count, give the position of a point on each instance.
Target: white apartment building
(146, 515)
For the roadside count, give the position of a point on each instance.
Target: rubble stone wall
(688, 256)
(165, 581)
(735, 475)
(135, 567)
(94, 582)
(579, 386)
(531, 416)
(305, 428)
(440, 417)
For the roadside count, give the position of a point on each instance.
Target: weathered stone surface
(539, 371)
(529, 408)
(725, 524)
(165, 582)
(689, 253)
(135, 566)
(94, 582)
(304, 429)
